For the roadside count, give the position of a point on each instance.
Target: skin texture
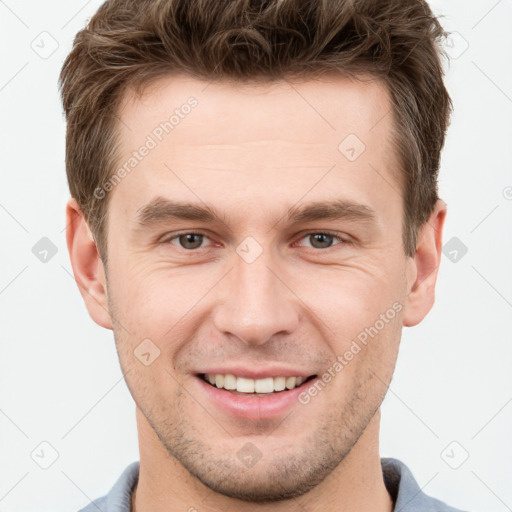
(253, 152)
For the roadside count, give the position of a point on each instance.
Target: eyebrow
(160, 210)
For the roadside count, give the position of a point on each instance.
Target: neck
(356, 484)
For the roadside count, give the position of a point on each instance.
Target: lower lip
(253, 407)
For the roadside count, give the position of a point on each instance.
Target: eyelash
(342, 240)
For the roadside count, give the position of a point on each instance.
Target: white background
(60, 380)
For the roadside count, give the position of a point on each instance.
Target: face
(259, 237)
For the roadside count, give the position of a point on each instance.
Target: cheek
(151, 299)
(346, 301)
(366, 362)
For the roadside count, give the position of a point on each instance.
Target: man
(255, 215)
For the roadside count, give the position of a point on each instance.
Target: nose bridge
(255, 304)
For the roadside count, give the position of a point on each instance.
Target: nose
(255, 302)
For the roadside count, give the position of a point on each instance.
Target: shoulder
(94, 506)
(119, 497)
(406, 492)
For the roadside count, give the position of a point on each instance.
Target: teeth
(264, 385)
(279, 383)
(229, 382)
(243, 385)
(290, 382)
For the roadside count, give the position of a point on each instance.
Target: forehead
(310, 109)
(281, 140)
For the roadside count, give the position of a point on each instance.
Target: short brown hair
(131, 43)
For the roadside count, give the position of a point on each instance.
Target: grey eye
(321, 240)
(190, 240)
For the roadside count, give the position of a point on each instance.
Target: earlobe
(425, 263)
(87, 265)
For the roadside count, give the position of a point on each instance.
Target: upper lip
(256, 373)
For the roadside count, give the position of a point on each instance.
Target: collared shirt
(399, 481)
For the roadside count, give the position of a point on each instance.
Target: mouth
(265, 397)
(265, 387)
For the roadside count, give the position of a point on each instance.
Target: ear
(87, 265)
(425, 265)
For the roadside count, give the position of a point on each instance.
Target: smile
(254, 387)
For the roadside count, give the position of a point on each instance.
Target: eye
(194, 240)
(323, 239)
(188, 241)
